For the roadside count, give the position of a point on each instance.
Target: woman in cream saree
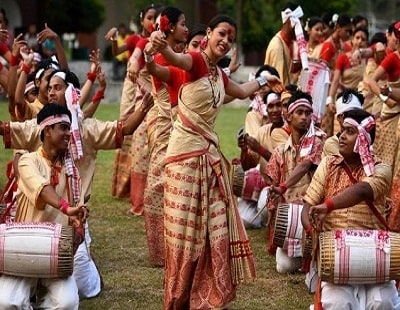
(207, 251)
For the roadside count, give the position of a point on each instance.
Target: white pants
(86, 275)
(15, 293)
(286, 264)
(359, 297)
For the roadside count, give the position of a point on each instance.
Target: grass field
(120, 249)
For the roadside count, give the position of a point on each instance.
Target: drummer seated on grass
(47, 180)
(342, 194)
(290, 169)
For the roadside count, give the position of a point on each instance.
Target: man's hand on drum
(80, 212)
(275, 192)
(317, 214)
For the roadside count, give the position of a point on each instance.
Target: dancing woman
(207, 250)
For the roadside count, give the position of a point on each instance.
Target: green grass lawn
(119, 242)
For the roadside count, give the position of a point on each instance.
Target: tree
(74, 15)
(261, 19)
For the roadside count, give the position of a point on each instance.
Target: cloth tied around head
(363, 142)
(294, 17)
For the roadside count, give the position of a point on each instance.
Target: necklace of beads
(212, 78)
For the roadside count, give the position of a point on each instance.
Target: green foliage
(74, 15)
(139, 5)
(262, 19)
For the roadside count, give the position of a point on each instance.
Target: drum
(36, 250)
(350, 256)
(307, 245)
(247, 185)
(237, 179)
(288, 228)
(315, 81)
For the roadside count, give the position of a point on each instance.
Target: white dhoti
(286, 264)
(15, 293)
(86, 275)
(368, 296)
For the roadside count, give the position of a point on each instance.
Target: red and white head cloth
(29, 86)
(72, 100)
(363, 145)
(294, 17)
(54, 119)
(313, 131)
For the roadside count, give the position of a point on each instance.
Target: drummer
(335, 201)
(292, 164)
(255, 152)
(42, 196)
(257, 149)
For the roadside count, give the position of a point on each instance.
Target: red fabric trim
(172, 159)
(119, 138)
(98, 96)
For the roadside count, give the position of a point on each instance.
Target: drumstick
(262, 209)
(258, 213)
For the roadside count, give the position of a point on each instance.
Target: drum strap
(368, 202)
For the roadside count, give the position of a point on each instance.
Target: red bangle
(91, 76)
(64, 205)
(309, 230)
(98, 96)
(14, 60)
(25, 68)
(330, 205)
(283, 187)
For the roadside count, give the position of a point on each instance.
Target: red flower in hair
(397, 30)
(164, 23)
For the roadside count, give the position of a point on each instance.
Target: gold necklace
(212, 78)
(211, 67)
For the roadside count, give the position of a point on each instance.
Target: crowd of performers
(325, 96)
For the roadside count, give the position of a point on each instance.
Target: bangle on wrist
(148, 58)
(389, 91)
(64, 205)
(329, 100)
(227, 71)
(330, 206)
(383, 97)
(283, 187)
(98, 96)
(91, 76)
(14, 60)
(25, 68)
(262, 81)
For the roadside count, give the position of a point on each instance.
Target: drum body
(247, 185)
(350, 256)
(37, 250)
(288, 231)
(315, 81)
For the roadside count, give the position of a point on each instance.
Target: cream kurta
(278, 56)
(35, 173)
(96, 135)
(268, 141)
